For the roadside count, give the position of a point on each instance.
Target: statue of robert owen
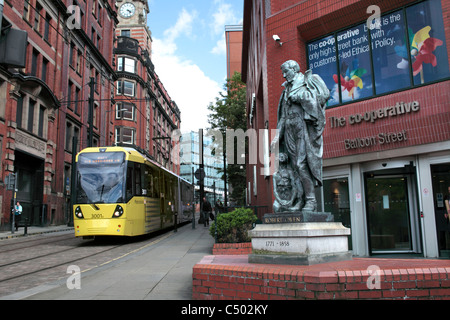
(301, 121)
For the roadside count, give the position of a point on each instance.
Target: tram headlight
(78, 213)
(118, 211)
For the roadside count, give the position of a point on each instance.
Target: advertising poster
(427, 42)
(390, 54)
(323, 61)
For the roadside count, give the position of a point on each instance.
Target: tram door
(391, 214)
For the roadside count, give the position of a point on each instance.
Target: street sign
(10, 181)
(199, 174)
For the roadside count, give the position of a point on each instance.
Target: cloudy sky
(189, 52)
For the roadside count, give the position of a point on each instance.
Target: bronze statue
(301, 121)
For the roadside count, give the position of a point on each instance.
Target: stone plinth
(299, 243)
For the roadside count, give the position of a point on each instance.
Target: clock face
(127, 10)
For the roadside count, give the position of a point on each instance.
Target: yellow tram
(120, 192)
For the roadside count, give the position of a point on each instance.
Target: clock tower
(132, 15)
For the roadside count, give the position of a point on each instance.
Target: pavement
(33, 230)
(160, 270)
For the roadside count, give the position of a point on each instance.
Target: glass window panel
(336, 200)
(389, 54)
(427, 42)
(323, 61)
(354, 64)
(129, 65)
(128, 88)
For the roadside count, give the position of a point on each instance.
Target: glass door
(388, 213)
(441, 192)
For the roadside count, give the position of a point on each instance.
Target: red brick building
(145, 116)
(44, 105)
(386, 155)
(233, 39)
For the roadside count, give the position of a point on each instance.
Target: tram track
(32, 263)
(52, 266)
(13, 246)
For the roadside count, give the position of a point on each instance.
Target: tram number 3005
(271, 243)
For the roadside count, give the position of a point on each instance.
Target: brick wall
(232, 248)
(213, 282)
(297, 22)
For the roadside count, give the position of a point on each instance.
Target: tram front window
(101, 177)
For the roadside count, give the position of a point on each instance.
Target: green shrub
(233, 227)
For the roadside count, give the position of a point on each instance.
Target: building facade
(144, 116)
(386, 166)
(44, 105)
(233, 40)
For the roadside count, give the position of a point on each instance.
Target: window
(125, 111)
(125, 33)
(125, 87)
(31, 107)
(71, 132)
(44, 69)
(41, 121)
(77, 98)
(72, 48)
(37, 17)
(69, 95)
(34, 61)
(26, 10)
(48, 19)
(125, 135)
(126, 64)
(19, 113)
(407, 49)
(428, 47)
(79, 65)
(336, 199)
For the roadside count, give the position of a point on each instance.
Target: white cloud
(223, 15)
(185, 82)
(221, 46)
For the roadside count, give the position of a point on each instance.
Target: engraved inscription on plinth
(299, 243)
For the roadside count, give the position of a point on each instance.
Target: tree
(228, 112)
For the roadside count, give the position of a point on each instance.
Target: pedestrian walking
(17, 214)
(207, 210)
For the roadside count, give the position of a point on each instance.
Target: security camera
(277, 39)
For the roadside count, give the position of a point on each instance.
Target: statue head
(290, 69)
(282, 157)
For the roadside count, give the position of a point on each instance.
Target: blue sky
(189, 52)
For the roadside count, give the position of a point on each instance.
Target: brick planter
(230, 277)
(232, 248)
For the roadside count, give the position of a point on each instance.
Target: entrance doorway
(30, 183)
(392, 215)
(440, 174)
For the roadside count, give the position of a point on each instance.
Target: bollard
(25, 227)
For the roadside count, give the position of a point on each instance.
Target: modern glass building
(213, 164)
